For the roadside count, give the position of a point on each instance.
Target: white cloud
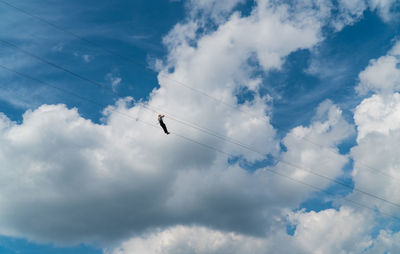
(331, 231)
(327, 231)
(384, 8)
(195, 240)
(349, 12)
(378, 114)
(77, 181)
(382, 75)
(386, 242)
(376, 160)
(377, 122)
(328, 129)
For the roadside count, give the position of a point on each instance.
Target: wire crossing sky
(283, 117)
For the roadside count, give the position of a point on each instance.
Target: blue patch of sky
(346, 145)
(324, 199)
(348, 52)
(245, 8)
(268, 161)
(10, 245)
(290, 229)
(130, 28)
(244, 95)
(337, 61)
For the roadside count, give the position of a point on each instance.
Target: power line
(112, 52)
(205, 145)
(226, 139)
(125, 58)
(210, 147)
(288, 163)
(332, 194)
(132, 60)
(104, 105)
(102, 86)
(13, 46)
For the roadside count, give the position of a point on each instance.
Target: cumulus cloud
(386, 241)
(378, 135)
(382, 75)
(78, 181)
(195, 240)
(332, 231)
(377, 120)
(329, 129)
(327, 231)
(376, 160)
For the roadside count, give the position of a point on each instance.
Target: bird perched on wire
(162, 124)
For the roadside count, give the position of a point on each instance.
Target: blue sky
(127, 28)
(284, 81)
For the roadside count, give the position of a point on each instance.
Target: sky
(284, 118)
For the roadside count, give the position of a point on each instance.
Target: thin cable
(204, 130)
(102, 86)
(290, 164)
(112, 52)
(339, 183)
(104, 105)
(193, 141)
(134, 61)
(332, 194)
(13, 46)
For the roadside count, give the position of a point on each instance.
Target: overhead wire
(210, 132)
(26, 76)
(277, 160)
(134, 61)
(11, 45)
(104, 87)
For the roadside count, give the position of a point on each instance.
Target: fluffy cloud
(331, 231)
(327, 231)
(376, 162)
(385, 8)
(195, 240)
(77, 181)
(349, 12)
(378, 114)
(329, 128)
(382, 75)
(386, 241)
